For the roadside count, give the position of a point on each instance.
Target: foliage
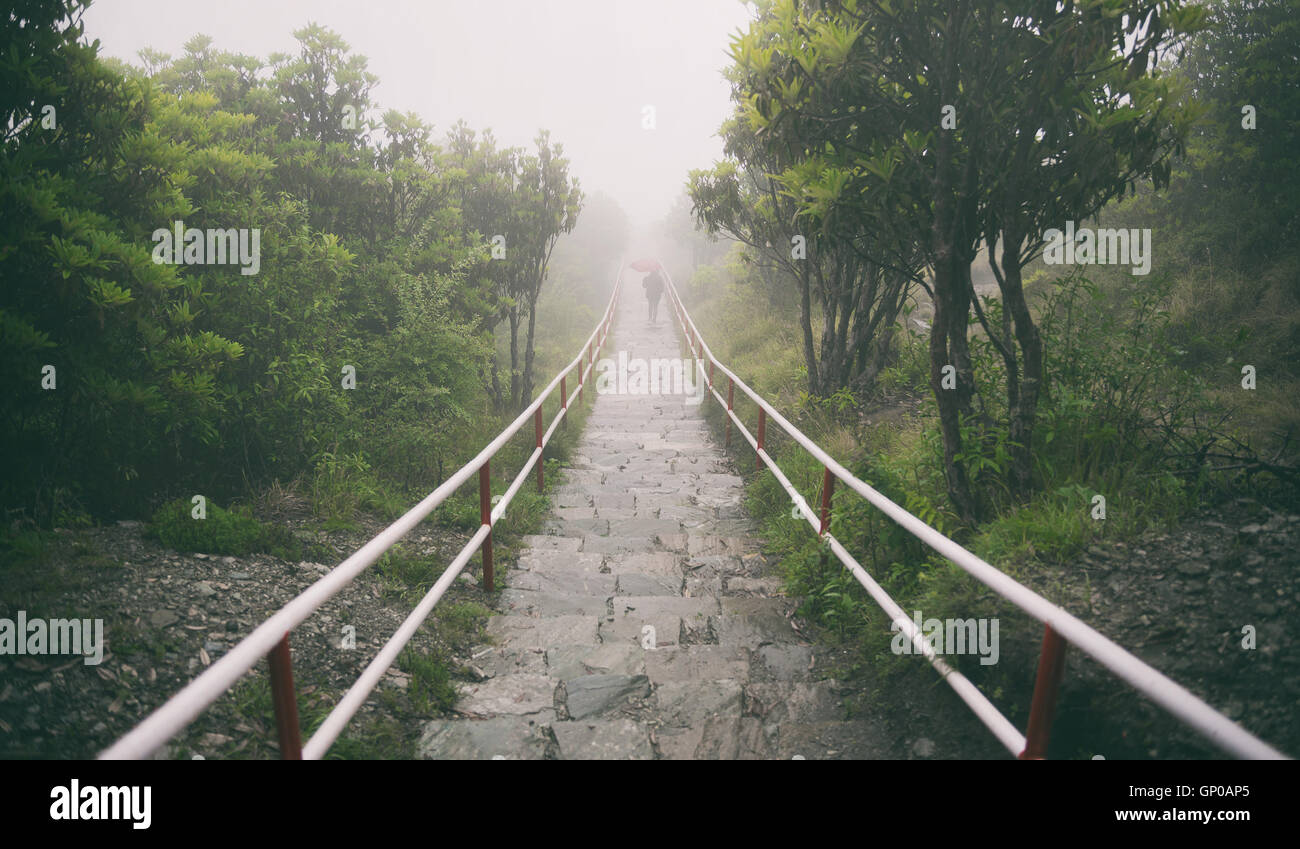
(175, 377)
(232, 532)
(946, 125)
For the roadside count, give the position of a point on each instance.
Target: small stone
(923, 748)
(163, 618)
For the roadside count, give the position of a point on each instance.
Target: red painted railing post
(762, 437)
(537, 426)
(285, 701)
(485, 517)
(1051, 663)
(828, 487)
(564, 397)
(731, 395)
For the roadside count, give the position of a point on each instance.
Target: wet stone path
(645, 623)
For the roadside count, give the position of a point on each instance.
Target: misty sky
(583, 69)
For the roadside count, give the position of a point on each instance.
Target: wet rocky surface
(1211, 604)
(168, 616)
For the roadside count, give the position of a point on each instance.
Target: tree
(953, 123)
(519, 204)
(550, 206)
(859, 295)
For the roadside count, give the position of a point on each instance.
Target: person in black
(654, 290)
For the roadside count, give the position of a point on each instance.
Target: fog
(584, 69)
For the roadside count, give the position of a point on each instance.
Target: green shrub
(229, 532)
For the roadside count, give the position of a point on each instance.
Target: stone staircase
(645, 623)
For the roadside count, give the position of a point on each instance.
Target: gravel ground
(168, 615)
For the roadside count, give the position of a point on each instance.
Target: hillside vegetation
(1144, 416)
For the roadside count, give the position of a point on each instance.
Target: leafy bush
(231, 532)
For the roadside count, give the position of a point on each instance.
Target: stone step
(616, 544)
(660, 563)
(541, 603)
(639, 583)
(614, 739)
(566, 662)
(530, 632)
(534, 559)
(512, 738)
(514, 695)
(697, 663)
(562, 581)
(551, 543)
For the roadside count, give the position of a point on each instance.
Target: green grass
(234, 532)
(431, 688)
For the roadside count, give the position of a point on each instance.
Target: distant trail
(649, 533)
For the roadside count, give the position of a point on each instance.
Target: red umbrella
(645, 265)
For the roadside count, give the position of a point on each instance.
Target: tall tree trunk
(1022, 415)
(948, 335)
(805, 324)
(951, 301)
(514, 358)
(527, 395)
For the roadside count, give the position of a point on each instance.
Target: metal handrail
(1060, 627)
(271, 638)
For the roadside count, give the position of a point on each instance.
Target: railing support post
(762, 437)
(285, 701)
(731, 395)
(485, 517)
(537, 427)
(1051, 663)
(828, 487)
(564, 398)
